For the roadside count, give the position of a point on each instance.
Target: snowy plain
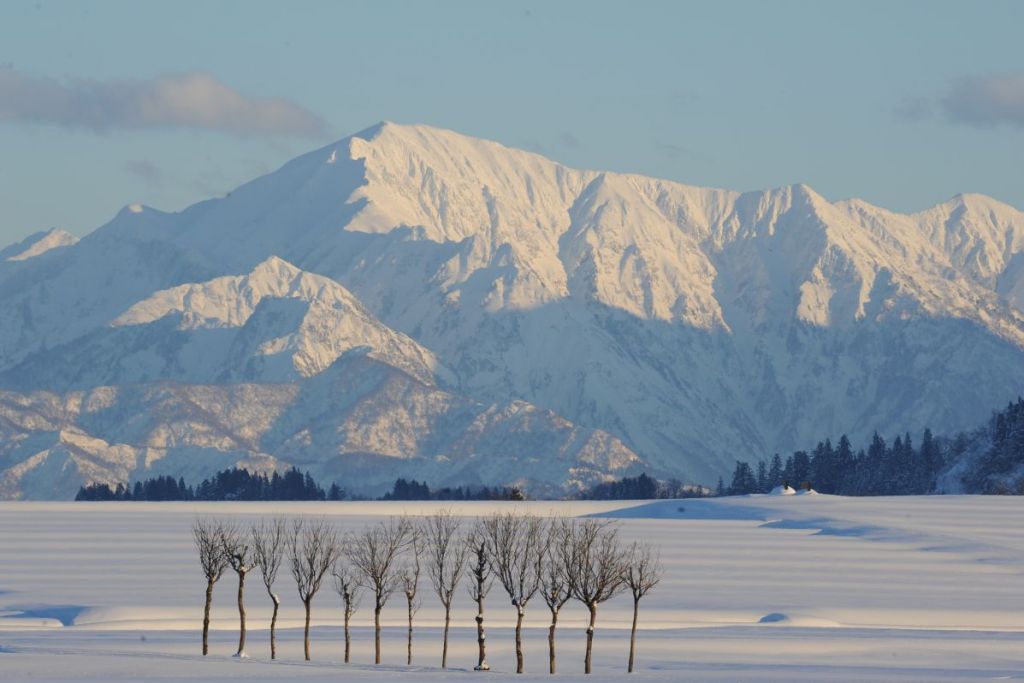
(758, 588)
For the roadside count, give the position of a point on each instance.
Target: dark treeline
(642, 487)
(413, 490)
(229, 484)
(240, 484)
(883, 469)
(1000, 467)
(989, 460)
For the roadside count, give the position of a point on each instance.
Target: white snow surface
(690, 324)
(757, 588)
(37, 244)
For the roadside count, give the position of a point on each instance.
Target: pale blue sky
(901, 103)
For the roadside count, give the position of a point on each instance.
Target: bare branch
(593, 563)
(643, 570)
(553, 585)
(446, 554)
(313, 550)
(515, 550)
(374, 553)
(268, 543)
(207, 536)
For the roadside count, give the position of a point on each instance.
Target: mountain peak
(310, 317)
(37, 244)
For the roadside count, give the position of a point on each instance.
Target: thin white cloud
(987, 100)
(189, 100)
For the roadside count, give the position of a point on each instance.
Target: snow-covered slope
(37, 244)
(273, 324)
(696, 325)
(361, 422)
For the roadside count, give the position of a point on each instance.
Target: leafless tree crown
(446, 553)
(269, 539)
(347, 584)
(207, 536)
(237, 547)
(515, 549)
(643, 570)
(479, 568)
(375, 551)
(410, 573)
(593, 561)
(553, 585)
(313, 550)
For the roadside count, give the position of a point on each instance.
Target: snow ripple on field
(777, 588)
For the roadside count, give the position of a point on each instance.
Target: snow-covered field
(762, 588)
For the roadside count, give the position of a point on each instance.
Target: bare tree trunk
(444, 648)
(408, 655)
(348, 640)
(206, 617)
(273, 625)
(632, 636)
(481, 640)
(551, 640)
(241, 616)
(376, 634)
(519, 639)
(590, 637)
(306, 633)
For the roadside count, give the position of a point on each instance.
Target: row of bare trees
(559, 559)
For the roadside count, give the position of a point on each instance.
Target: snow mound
(783, 491)
(782, 619)
(806, 492)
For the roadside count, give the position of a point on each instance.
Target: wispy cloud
(569, 140)
(144, 171)
(987, 100)
(189, 100)
(676, 152)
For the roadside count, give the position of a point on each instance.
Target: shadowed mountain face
(679, 327)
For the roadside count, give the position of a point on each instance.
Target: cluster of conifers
(558, 559)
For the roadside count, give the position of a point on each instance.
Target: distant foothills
(988, 460)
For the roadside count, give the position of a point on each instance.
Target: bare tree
(481, 579)
(206, 534)
(313, 550)
(446, 560)
(642, 573)
(410, 586)
(515, 549)
(593, 561)
(374, 552)
(268, 542)
(553, 587)
(346, 582)
(238, 552)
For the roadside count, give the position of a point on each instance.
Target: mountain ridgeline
(412, 303)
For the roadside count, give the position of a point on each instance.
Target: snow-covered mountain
(693, 325)
(36, 244)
